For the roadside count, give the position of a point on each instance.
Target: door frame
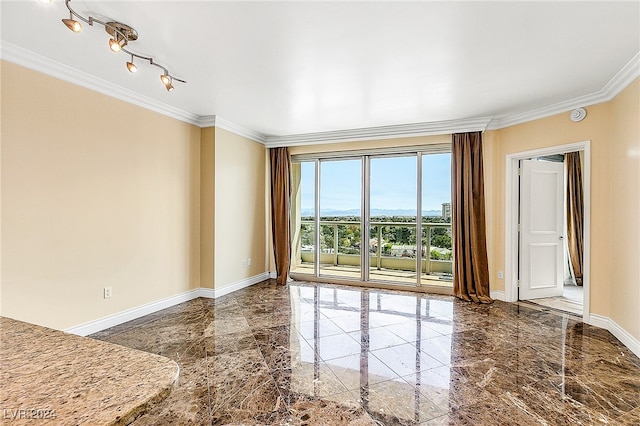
(511, 218)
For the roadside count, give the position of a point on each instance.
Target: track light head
(132, 67)
(165, 79)
(72, 24)
(121, 35)
(116, 44)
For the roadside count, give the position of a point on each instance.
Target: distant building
(399, 250)
(446, 211)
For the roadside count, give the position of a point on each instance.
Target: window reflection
(389, 350)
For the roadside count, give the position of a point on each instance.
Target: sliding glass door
(340, 218)
(392, 219)
(373, 217)
(303, 213)
(436, 220)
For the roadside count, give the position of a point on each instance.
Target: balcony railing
(400, 256)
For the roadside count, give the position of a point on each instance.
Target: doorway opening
(536, 250)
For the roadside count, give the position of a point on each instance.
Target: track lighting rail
(122, 34)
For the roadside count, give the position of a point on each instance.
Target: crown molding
(239, 130)
(617, 84)
(383, 132)
(34, 61)
(623, 78)
(207, 121)
(217, 121)
(546, 111)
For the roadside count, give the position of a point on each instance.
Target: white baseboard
(598, 321)
(620, 333)
(625, 337)
(207, 293)
(273, 275)
(238, 285)
(149, 308)
(131, 314)
(498, 295)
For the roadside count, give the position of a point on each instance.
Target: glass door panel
(437, 256)
(392, 237)
(303, 241)
(340, 215)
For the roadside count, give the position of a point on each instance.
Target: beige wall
(95, 192)
(240, 214)
(625, 209)
(612, 128)
(546, 132)
(207, 207)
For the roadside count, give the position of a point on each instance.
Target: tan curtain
(470, 268)
(280, 199)
(575, 213)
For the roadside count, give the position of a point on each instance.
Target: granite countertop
(64, 379)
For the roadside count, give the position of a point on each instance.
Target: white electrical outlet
(500, 275)
(249, 261)
(107, 292)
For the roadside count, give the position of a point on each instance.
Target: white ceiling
(283, 68)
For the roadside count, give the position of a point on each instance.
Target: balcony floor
(384, 275)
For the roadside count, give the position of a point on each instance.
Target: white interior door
(541, 229)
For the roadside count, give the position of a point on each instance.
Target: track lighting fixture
(117, 45)
(164, 78)
(72, 24)
(131, 66)
(121, 35)
(114, 45)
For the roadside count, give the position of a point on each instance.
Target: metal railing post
(335, 245)
(379, 257)
(427, 268)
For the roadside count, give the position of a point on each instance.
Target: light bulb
(114, 45)
(165, 79)
(132, 67)
(73, 25)
(169, 87)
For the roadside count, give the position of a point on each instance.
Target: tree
(442, 241)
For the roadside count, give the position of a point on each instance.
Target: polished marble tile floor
(318, 354)
(570, 301)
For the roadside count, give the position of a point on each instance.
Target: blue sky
(393, 183)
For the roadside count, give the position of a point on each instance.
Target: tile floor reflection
(318, 354)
